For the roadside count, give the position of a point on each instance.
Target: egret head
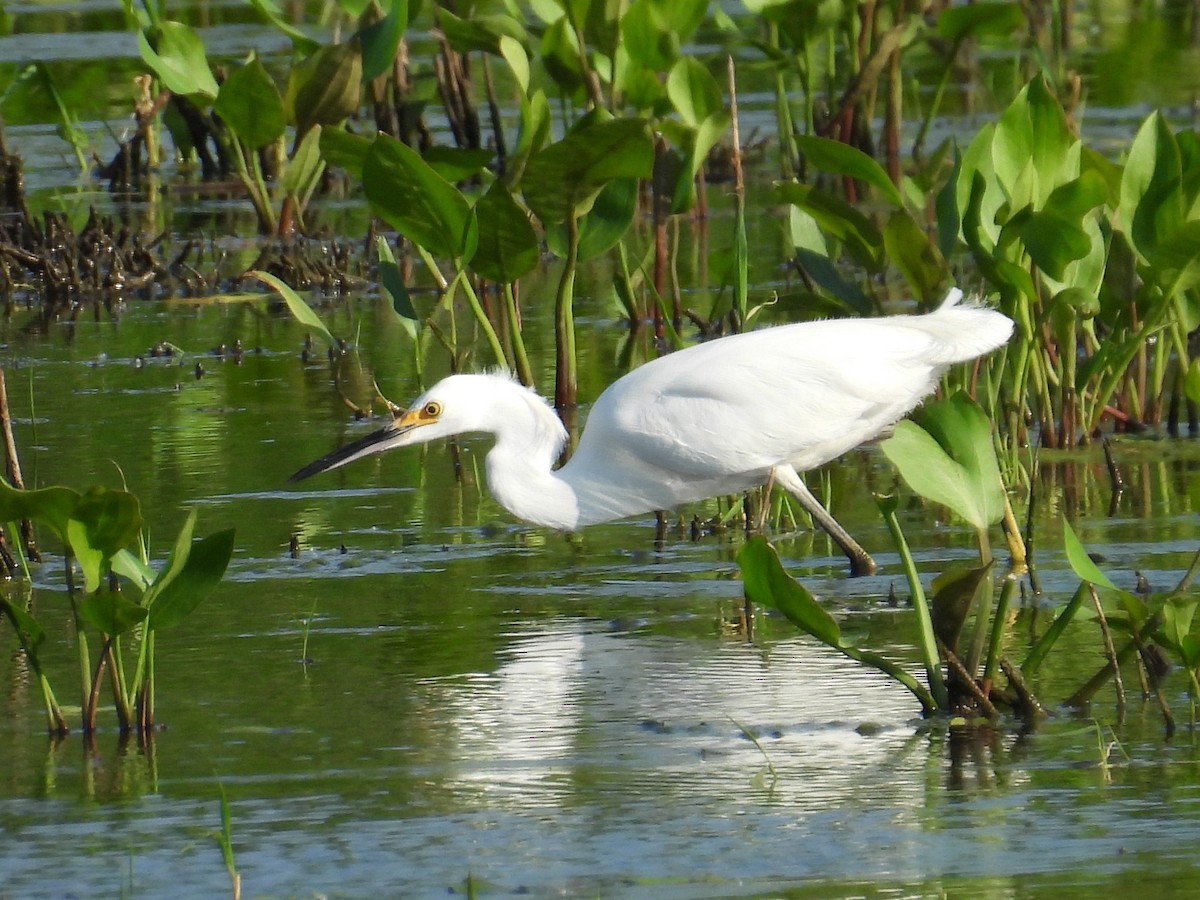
(455, 405)
(437, 413)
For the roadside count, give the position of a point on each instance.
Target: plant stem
(929, 651)
(565, 373)
(520, 357)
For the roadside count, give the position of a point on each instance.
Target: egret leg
(860, 561)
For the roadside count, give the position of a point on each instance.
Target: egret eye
(432, 409)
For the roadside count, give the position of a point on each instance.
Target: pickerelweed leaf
(111, 612)
(249, 103)
(296, 306)
(947, 456)
(381, 39)
(1081, 564)
(176, 54)
(508, 247)
(564, 178)
(418, 202)
(195, 569)
(767, 584)
(842, 159)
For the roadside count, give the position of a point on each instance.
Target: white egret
(716, 418)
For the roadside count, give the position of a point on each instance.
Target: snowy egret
(717, 418)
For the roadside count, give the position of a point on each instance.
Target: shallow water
(547, 714)
(431, 692)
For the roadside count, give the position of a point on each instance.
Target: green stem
(489, 332)
(566, 376)
(998, 623)
(928, 641)
(524, 371)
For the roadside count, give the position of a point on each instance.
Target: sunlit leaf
(518, 60)
(693, 91)
(296, 306)
(1081, 564)
(949, 458)
(176, 54)
(1151, 207)
(306, 164)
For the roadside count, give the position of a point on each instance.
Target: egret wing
(799, 394)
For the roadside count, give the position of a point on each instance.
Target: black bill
(375, 442)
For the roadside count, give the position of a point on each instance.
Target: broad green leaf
(296, 306)
(605, 224)
(559, 50)
(907, 245)
(204, 564)
(111, 613)
(324, 89)
(1178, 613)
(1054, 235)
(518, 60)
(1081, 563)
(563, 179)
(767, 584)
(949, 458)
(409, 195)
(648, 38)
(1032, 144)
(51, 506)
(693, 91)
(113, 519)
(837, 158)
(457, 164)
(176, 54)
(953, 597)
(1151, 207)
(381, 39)
(250, 105)
(479, 32)
(839, 220)
(508, 247)
(102, 523)
(394, 287)
(1177, 262)
(23, 621)
(956, 23)
(345, 150)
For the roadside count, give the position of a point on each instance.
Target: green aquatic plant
(946, 455)
(122, 596)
